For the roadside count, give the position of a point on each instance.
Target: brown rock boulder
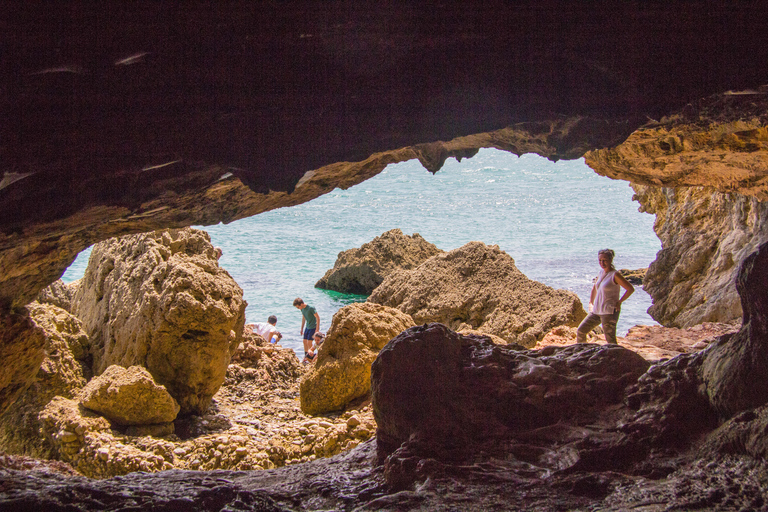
(161, 301)
(479, 287)
(129, 396)
(361, 270)
(452, 394)
(61, 373)
(342, 371)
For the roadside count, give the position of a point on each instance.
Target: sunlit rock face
(362, 269)
(720, 142)
(478, 287)
(161, 301)
(704, 234)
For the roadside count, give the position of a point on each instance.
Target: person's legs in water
(590, 322)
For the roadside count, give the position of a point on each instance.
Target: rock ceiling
(141, 117)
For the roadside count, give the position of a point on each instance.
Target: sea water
(551, 217)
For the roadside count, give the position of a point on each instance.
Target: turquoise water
(550, 217)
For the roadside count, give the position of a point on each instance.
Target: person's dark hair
(297, 301)
(272, 319)
(609, 254)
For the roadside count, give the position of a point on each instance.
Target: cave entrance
(551, 217)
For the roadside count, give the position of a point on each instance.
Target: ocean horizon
(551, 217)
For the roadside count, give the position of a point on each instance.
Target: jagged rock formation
(704, 235)
(63, 372)
(478, 287)
(58, 294)
(361, 270)
(342, 372)
(453, 395)
(269, 364)
(161, 301)
(720, 141)
(129, 396)
(101, 140)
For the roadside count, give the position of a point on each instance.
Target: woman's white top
(606, 293)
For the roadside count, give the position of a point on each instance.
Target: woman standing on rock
(604, 301)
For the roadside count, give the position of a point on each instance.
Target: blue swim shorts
(308, 333)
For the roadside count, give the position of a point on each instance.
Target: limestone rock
(161, 301)
(22, 344)
(270, 364)
(59, 294)
(342, 371)
(129, 396)
(704, 236)
(61, 373)
(720, 141)
(453, 395)
(84, 439)
(478, 287)
(634, 276)
(361, 270)
(735, 370)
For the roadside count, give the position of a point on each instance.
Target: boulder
(271, 365)
(161, 301)
(361, 270)
(129, 396)
(62, 373)
(479, 287)
(455, 395)
(342, 372)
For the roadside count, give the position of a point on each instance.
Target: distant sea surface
(552, 218)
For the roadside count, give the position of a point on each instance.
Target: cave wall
(704, 235)
(133, 117)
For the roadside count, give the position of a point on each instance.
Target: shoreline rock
(478, 287)
(360, 271)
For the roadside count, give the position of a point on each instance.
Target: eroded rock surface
(361, 270)
(22, 344)
(479, 287)
(451, 395)
(63, 372)
(161, 301)
(342, 372)
(704, 236)
(129, 396)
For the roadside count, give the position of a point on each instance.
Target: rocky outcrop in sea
(478, 287)
(361, 270)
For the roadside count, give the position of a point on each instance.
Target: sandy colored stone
(61, 373)
(161, 301)
(342, 371)
(271, 364)
(129, 396)
(59, 294)
(84, 440)
(22, 349)
(479, 287)
(361, 270)
(704, 236)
